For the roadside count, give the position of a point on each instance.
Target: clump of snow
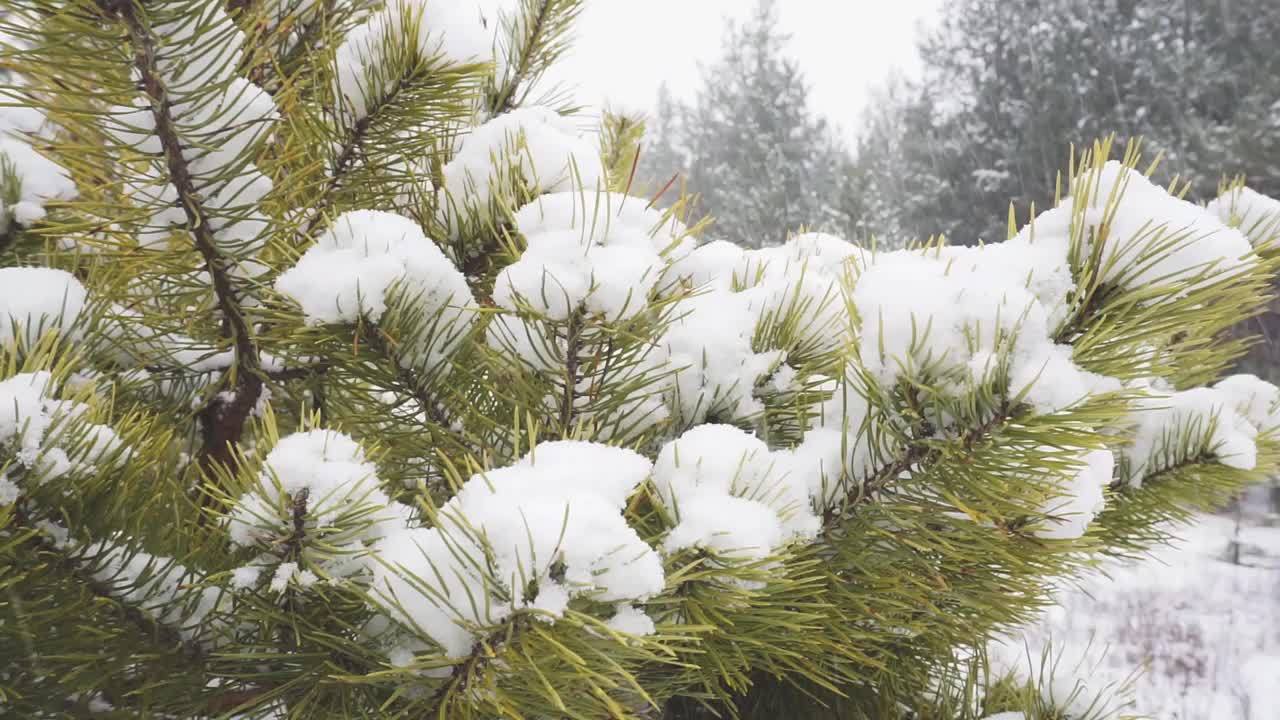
(602, 253)
(9, 490)
(1144, 218)
(50, 437)
(532, 536)
(289, 575)
(1166, 423)
(710, 343)
(200, 48)
(34, 300)
(955, 318)
(802, 281)
(847, 444)
(40, 180)
(535, 146)
(720, 485)
(324, 476)
(631, 620)
(1253, 213)
(160, 586)
(452, 31)
(600, 256)
(1082, 498)
(709, 263)
(1036, 258)
(1256, 399)
(355, 264)
(739, 294)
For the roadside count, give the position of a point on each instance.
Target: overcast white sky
(626, 48)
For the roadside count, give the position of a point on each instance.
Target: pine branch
(416, 74)
(144, 622)
(376, 340)
(223, 420)
(480, 657)
(568, 399)
(341, 166)
(920, 451)
(537, 29)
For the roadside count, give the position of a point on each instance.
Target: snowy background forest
(980, 119)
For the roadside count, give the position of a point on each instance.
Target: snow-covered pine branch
(371, 395)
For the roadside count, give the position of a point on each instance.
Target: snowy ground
(1207, 631)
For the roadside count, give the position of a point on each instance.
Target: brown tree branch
(222, 421)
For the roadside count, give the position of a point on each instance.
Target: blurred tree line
(1007, 87)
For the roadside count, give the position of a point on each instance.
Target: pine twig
(223, 420)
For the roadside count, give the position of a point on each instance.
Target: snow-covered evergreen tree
(748, 145)
(341, 377)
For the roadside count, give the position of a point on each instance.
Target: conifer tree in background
(748, 145)
(340, 377)
(1008, 83)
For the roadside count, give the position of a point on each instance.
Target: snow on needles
(452, 31)
(532, 536)
(34, 300)
(534, 146)
(355, 264)
(1253, 213)
(51, 437)
(955, 318)
(220, 119)
(1207, 420)
(1152, 238)
(736, 292)
(39, 179)
(321, 479)
(720, 485)
(604, 254)
(1082, 497)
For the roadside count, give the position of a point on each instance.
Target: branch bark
(222, 421)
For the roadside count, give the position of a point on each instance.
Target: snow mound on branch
(34, 300)
(1256, 399)
(325, 475)
(531, 536)
(1184, 239)
(1037, 262)
(1166, 423)
(721, 486)
(534, 146)
(797, 288)
(712, 263)
(50, 437)
(803, 280)
(602, 253)
(39, 179)
(710, 346)
(200, 49)
(955, 319)
(631, 620)
(1081, 499)
(451, 31)
(355, 264)
(158, 585)
(1253, 213)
